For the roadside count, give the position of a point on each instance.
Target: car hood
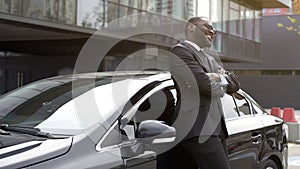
(16, 153)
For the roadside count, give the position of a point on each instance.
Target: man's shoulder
(180, 47)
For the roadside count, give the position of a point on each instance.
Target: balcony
(276, 3)
(259, 4)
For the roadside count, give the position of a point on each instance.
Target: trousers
(207, 155)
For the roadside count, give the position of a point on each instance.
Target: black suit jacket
(199, 95)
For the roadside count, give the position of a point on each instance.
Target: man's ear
(191, 28)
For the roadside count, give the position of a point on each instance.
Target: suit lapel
(200, 57)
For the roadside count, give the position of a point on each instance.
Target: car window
(33, 99)
(229, 108)
(158, 106)
(235, 105)
(113, 137)
(257, 109)
(243, 105)
(53, 110)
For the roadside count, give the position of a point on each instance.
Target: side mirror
(155, 132)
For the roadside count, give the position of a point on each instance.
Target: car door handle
(256, 139)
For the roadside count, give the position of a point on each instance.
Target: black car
(256, 139)
(112, 120)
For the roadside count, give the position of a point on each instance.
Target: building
(276, 79)
(295, 9)
(42, 38)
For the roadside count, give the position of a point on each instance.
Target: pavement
(294, 156)
(294, 150)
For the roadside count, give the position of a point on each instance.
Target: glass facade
(238, 25)
(98, 13)
(62, 11)
(231, 18)
(228, 16)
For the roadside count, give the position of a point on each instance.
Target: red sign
(275, 11)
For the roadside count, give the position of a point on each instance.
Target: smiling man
(204, 142)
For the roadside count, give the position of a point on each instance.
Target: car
(256, 139)
(115, 120)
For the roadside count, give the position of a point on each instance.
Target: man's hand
(221, 71)
(214, 76)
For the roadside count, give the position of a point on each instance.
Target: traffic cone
(289, 115)
(276, 111)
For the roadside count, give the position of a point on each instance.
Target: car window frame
(249, 103)
(253, 102)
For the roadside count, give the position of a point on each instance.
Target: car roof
(146, 74)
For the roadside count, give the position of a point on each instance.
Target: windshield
(49, 104)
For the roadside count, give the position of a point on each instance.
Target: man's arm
(226, 79)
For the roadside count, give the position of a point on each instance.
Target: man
(204, 141)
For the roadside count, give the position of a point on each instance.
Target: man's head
(200, 31)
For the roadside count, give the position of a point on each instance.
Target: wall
(273, 91)
(279, 51)
(279, 46)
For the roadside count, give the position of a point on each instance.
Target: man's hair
(193, 21)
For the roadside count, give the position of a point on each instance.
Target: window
(242, 20)
(234, 16)
(235, 106)
(203, 8)
(257, 29)
(113, 138)
(159, 106)
(216, 14)
(243, 106)
(249, 23)
(225, 14)
(112, 13)
(229, 107)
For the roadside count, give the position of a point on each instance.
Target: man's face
(205, 32)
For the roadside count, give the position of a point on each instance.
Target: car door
(245, 132)
(155, 104)
(275, 138)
